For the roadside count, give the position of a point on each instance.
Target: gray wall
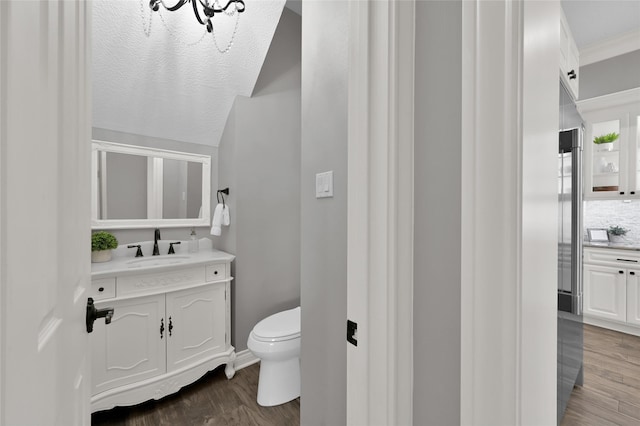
(126, 236)
(324, 221)
(260, 163)
(610, 76)
(437, 252)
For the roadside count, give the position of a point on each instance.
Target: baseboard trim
(245, 359)
(611, 325)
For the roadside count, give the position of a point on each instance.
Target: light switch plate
(324, 184)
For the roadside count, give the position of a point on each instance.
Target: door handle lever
(93, 314)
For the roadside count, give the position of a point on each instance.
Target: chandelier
(204, 11)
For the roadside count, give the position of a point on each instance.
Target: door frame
(516, 332)
(380, 211)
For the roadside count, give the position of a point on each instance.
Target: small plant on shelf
(102, 243)
(608, 138)
(617, 233)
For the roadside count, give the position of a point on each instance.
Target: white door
(44, 212)
(605, 292)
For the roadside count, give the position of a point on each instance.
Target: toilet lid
(284, 325)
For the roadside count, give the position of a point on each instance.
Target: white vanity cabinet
(196, 324)
(611, 293)
(170, 326)
(129, 349)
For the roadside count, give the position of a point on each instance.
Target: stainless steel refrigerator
(570, 331)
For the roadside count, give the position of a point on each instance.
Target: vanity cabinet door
(197, 324)
(131, 348)
(605, 292)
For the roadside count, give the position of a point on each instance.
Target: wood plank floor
(611, 391)
(212, 400)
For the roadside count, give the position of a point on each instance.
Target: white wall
(260, 163)
(323, 250)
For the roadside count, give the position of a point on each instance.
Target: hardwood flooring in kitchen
(611, 392)
(212, 400)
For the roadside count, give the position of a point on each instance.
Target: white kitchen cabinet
(611, 171)
(605, 291)
(633, 297)
(611, 289)
(569, 58)
(170, 326)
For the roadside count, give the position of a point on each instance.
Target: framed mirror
(141, 187)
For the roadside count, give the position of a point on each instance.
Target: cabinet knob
(572, 75)
(632, 273)
(621, 192)
(215, 272)
(633, 193)
(101, 289)
(621, 272)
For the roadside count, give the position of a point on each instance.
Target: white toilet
(276, 341)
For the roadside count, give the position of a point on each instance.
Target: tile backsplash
(605, 213)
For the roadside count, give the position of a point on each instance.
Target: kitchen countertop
(617, 246)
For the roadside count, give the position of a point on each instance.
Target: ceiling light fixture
(205, 10)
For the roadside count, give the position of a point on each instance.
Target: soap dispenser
(193, 243)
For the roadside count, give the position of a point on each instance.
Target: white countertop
(617, 246)
(130, 265)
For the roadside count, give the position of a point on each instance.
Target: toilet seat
(278, 327)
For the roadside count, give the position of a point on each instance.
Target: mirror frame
(154, 185)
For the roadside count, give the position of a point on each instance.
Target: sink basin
(156, 261)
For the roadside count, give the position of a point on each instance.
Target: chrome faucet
(156, 237)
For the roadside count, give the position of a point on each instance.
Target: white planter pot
(616, 238)
(100, 256)
(605, 147)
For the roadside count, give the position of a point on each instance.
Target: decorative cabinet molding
(612, 298)
(168, 329)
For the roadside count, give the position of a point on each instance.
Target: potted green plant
(102, 242)
(605, 142)
(617, 233)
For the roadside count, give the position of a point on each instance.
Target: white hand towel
(225, 215)
(216, 225)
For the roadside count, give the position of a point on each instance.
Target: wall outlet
(324, 184)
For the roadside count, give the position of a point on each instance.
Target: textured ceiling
(594, 21)
(158, 86)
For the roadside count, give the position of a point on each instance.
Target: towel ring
(221, 193)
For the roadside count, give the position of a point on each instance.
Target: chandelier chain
(146, 27)
(176, 37)
(233, 35)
